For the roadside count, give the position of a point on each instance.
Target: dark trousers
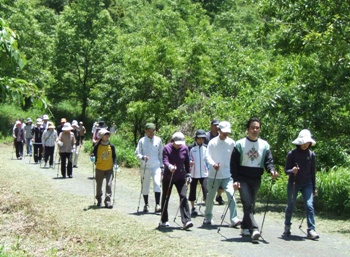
(19, 148)
(193, 188)
(248, 192)
(37, 152)
(49, 150)
(182, 191)
(64, 158)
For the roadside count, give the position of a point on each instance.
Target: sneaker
(287, 231)
(99, 203)
(219, 200)
(188, 225)
(194, 212)
(109, 206)
(145, 208)
(75, 166)
(207, 222)
(312, 235)
(45, 164)
(235, 224)
(157, 208)
(164, 224)
(245, 232)
(255, 235)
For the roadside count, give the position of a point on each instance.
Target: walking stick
(267, 205)
(142, 179)
(224, 214)
(93, 181)
(115, 175)
(166, 198)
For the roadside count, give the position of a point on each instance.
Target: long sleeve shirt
(306, 160)
(250, 158)
(49, 137)
(219, 151)
(176, 157)
(68, 141)
(199, 168)
(153, 148)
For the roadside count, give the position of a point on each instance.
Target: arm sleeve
(187, 161)
(114, 155)
(288, 168)
(313, 170)
(160, 154)
(269, 165)
(208, 158)
(166, 158)
(234, 163)
(138, 150)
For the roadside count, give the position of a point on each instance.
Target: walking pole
(224, 214)
(93, 181)
(267, 205)
(216, 172)
(115, 175)
(142, 179)
(166, 198)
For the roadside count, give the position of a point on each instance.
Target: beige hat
(51, 126)
(304, 137)
(39, 121)
(66, 126)
(75, 123)
(103, 132)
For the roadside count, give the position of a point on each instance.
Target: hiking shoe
(287, 231)
(312, 235)
(207, 222)
(188, 225)
(255, 235)
(145, 208)
(109, 206)
(99, 203)
(194, 212)
(157, 208)
(45, 164)
(164, 224)
(245, 232)
(235, 224)
(219, 200)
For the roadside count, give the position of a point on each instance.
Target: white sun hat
(304, 137)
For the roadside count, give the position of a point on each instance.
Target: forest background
(182, 63)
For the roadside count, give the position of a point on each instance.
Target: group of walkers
(40, 140)
(214, 160)
(223, 165)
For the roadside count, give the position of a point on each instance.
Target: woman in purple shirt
(176, 172)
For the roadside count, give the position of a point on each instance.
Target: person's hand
(191, 162)
(216, 166)
(274, 174)
(60, 143)
(92, 158)
(315, 193)
(236, 185)
(188, 178)
(116, 167)
(172, 168)
(162, 170)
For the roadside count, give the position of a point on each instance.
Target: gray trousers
(100, 176)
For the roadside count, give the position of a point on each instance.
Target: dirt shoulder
(79, 228)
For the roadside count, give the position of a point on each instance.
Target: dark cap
(200, 133)
(150, 125)
(215, 122)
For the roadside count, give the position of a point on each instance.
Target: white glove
(188, 178)
(116, 167)
(92, 158)
(60, 143)
(171, 167)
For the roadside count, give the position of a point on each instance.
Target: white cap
(225, 126)
(178, 138)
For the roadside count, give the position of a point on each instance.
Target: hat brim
(51, 127)
(301, 141)
(179, 142)
(65, 129)
(200, 136)
(225, 130)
